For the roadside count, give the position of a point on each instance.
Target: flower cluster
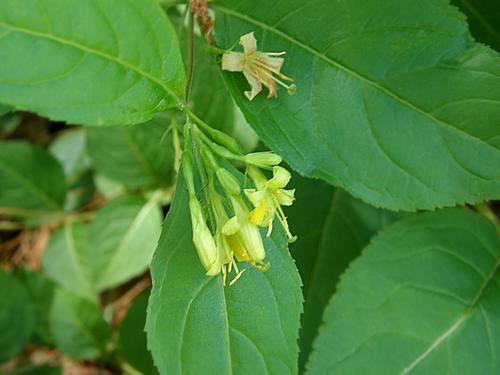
(226, 227)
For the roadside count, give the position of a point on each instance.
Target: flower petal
(231, 227)
(274, 63)
(254, 196)
(233, 61)
(254, 84)
(280, 179)
(249, 43)
(285, 197)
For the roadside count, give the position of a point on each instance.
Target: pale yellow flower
(268, 197)
(257, 67)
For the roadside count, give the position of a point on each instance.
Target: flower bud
(248, 233)
(203, 240)
(266, 159)
(228, 181)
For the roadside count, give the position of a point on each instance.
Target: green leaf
(31, 179)
(483, 17)
(139, 156)
(91, 67)
(69, 150)
(395, 102)
(133, 341)
(332, 230)
(197, 326)
(67, 260)
(123, 237)
(424, 298)
(77, 326)
(17, 318)
(41, 292)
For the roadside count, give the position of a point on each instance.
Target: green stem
(218, 136)
(190, 56)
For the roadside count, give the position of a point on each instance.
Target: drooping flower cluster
(259, 68)
(226, 227)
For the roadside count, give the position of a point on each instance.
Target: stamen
(224, 275)
(230, 266)
(237, 277)
(270, 228)
(288, 87)
(278, 73)
(274, 53)
(235, 266)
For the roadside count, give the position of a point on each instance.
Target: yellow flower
(268, 198)
(257, 67)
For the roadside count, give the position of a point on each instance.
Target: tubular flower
(268, 197)
(203, 240)
(257, 67)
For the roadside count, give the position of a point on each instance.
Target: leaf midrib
(456, 324)
(349, 71)
(101, 54)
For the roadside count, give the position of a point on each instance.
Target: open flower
(257, 67)
(268, 198)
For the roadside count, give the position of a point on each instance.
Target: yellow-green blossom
(268, 197)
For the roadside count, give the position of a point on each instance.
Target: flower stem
(189, 80)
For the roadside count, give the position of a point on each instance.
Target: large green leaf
(424, 298)
(483, 17)
(139, 156)
(17, 318)
(30, 179)
(77, 326)
(123, 236)
(5, 109)
(395, 102)
(67, 260)
(133, 341)
(332, 230)
(195, 325)
(89, 62)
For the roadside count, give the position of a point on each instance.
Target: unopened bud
(203, 240)
(228, 181)
(266, 159)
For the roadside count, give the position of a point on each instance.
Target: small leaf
(91, 67)
(77, 326)
(139, 156)
(333, 228)
(394, 101)
(483, 17)
(30, 179)
(123, 236)
(195, 325)
(424, 298)
(41, 292)
(17, 316)
(67, 260)
(133, 341)
(69, 150)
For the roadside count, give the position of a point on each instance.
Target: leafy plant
(326, 173)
